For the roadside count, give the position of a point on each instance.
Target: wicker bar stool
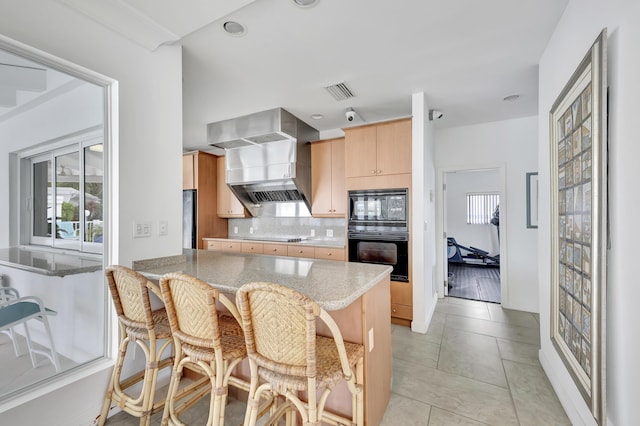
(144, 326)
(286, 354)
(205, 340)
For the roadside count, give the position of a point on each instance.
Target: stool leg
(115, 375)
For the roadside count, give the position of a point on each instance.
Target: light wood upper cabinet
(188, 179)
(394, 147)
(327, 178)
(228, 204)
(360, 151)
(379, 149)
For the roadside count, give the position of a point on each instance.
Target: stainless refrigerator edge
(189, 216)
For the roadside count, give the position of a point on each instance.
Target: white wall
(512, 145)
(577, 30)
(148, 163)
(423, 215)
(459, 184)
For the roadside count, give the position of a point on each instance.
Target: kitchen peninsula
(356, 295)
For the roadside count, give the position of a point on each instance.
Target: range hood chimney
(267, 161)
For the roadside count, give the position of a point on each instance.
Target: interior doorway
(471, 223)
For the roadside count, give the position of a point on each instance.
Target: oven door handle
(377, 236)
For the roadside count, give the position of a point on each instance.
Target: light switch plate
(141, 229)
(163, 228)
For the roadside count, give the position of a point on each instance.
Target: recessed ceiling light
(234, 28)
(511, 98)
(317, 116)
(306, 3)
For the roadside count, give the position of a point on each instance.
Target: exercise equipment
(472, 255)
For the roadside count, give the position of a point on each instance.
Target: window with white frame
(65, 205)
(481, 208)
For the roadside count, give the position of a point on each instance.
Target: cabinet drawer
(275, 249)
(212, 245)
(301, 251)
(252, 248)
(401, 311)
(329, 253)
(230, 246)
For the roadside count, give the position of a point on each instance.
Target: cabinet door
(188, 180)
(301, 251)
(275, 249)
(228, 204)
(321, 183)
(338, 188)
(231, 246)
(330, 253)
(360, 151)
(394, 147)
(252, 248)
(212, 245)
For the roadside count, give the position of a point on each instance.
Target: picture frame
(578, 179)
(532, 199)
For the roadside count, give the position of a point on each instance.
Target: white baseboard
(567, 393)
(423, 327)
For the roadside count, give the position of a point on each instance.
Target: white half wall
(511, 145)
(148, 164)
(578, 28)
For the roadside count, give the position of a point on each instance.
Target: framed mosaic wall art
(578, 225)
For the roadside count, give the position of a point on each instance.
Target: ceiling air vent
(340, 91)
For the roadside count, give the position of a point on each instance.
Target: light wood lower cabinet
(231, 246)
(401, 301)
(292, 250)
(252, 248)
(301, 251)
(330, 253)
(275, 249)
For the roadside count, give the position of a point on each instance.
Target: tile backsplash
(306, 227)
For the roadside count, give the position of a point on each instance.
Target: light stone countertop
(49, 263)
(333, 285)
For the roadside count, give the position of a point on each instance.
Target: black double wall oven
(378, 229)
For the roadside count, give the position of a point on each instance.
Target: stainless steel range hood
(267, 161)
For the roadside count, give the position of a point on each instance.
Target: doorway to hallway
(472, 234)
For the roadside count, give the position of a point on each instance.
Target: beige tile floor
(477, 365)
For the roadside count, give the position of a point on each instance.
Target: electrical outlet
(313, 232)
(235, 229)
(251, 229)
(329, 233)
(163, 227)
(141, 229)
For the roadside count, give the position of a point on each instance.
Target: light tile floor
(477, 365)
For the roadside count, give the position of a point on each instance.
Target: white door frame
(441, 222)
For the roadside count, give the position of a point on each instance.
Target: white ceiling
(465, 55)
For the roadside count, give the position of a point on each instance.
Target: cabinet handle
(300, 251)
(274, 250)
(394, 311)
(328, 254)
(373, 172)
(379, 172)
